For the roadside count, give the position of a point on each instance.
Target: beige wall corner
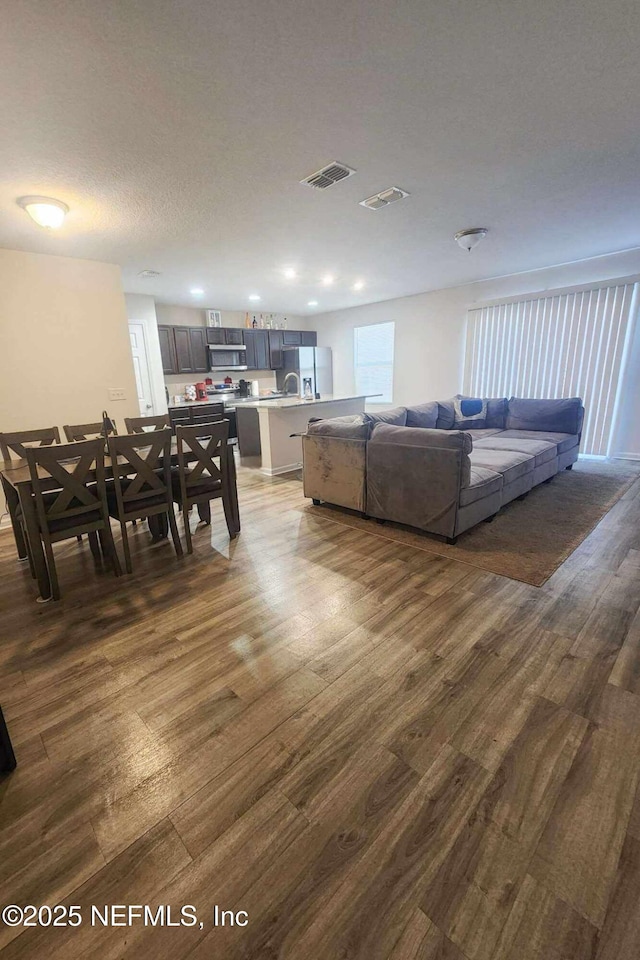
(64, 342)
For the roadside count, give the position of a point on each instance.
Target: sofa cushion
(396, 416)
(507, 462)
(421, 437)
(424, 415)
(497, 412)
(541, 450)
(483, 482)
(446, 414)
(469, 413)
(563, 441)
(354, 427)
(558, 416)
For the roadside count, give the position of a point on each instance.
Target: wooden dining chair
(141, 466)
(147, 424)
(206, 413)
(18, 442)
(203, 473)
(88, 431)
(78, 504)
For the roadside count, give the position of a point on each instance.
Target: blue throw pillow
(470, 413)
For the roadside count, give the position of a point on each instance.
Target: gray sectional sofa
(441, 466)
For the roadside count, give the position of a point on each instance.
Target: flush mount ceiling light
(253, 296)
(358, 285)
(196, 292)
(149, 274)
(46, 211)
(327, 281)
(312, 303)
(470, 238)
(289, 273)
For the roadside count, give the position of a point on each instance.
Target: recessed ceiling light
(289, 273)
(46, 211)
(358, 285)
(327, 280)
(196, 291)
(312, 303)
(253, 296)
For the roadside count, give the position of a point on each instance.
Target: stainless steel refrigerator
(312, 363)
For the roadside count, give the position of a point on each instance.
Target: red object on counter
(201, 391)
(208, 381)
(228, 380)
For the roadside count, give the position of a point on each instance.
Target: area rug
(529, 538)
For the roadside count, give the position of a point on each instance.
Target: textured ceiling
(177, 134)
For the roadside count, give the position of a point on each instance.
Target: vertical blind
(373, 360)
(564, 345)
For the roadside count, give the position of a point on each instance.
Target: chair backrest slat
(87, 431)
(19, 441)
(144, 462)
(147, 424)
(199, 446)
(77, 470)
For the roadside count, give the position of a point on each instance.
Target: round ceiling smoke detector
(470, 238)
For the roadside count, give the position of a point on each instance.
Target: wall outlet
(116, 393)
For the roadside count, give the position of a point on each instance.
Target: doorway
(141, 368)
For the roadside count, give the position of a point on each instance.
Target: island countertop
(294, 402)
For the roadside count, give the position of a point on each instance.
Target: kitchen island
(265, 428)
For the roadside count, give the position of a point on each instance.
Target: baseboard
(289, 468)
(626, 456)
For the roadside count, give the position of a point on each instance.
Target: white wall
(64, 341)
(142, 309)
(430, 335)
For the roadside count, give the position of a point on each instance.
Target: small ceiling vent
(149, 274)
(384, 198)
(332, 173)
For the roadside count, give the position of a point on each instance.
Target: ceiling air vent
(384, 198)
(149, 274)
(332, 173)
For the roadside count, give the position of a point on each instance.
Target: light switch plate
(116, 393)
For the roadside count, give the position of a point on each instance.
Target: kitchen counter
(285, 403)
(269, 430)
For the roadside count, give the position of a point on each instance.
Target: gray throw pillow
(556, 416)
(424, 415)
(470, 413)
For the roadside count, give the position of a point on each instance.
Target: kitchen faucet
(291, 373)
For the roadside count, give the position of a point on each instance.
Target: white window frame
(361, 380)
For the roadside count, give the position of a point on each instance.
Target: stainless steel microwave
(227, 356)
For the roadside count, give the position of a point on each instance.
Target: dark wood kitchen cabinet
(257, 344)
(183, 349)
(309, 338)
(233, 336)
(275, 349)
(167, 349)
(199, 350)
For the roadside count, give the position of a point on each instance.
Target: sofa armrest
(334, 470)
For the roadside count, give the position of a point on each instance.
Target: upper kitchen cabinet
(199, 349)
(167, 349)
(299, 338)
(257, 344)
(183, 349)
(275, 349)
(225, 335)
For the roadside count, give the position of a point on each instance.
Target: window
(561, 345)
(373, 360)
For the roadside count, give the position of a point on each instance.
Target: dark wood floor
(376, 752)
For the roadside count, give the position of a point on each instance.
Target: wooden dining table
(18, 490)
